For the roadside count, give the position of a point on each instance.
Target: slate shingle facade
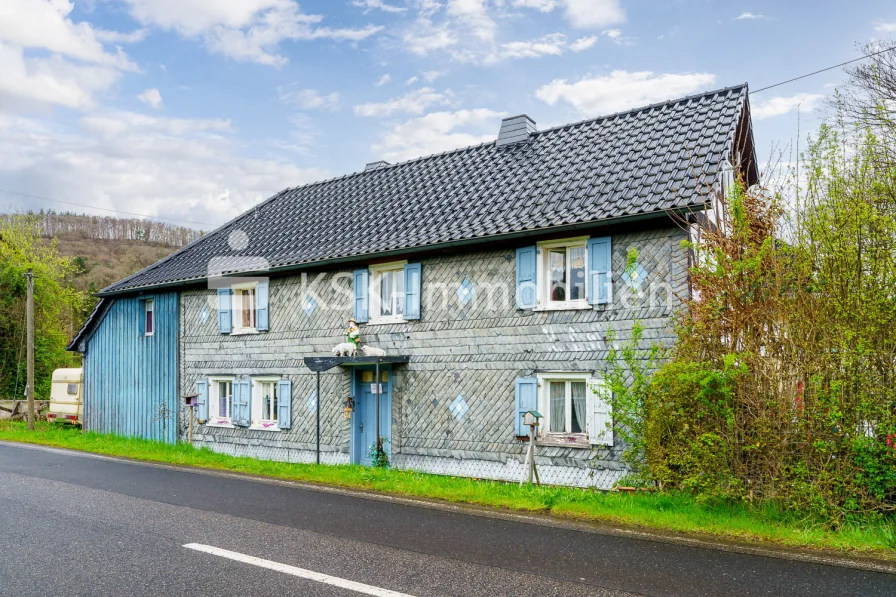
(473, 350)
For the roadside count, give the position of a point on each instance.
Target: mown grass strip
(671, 511)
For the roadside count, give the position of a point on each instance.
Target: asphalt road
(73, 524)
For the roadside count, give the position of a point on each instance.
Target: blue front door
(364, 418)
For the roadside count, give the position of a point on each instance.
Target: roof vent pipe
(515, 129)
(376, 165)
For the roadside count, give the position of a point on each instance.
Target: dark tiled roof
(647, 160)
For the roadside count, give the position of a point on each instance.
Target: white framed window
(149, 320)
(563, 401)
(563, 274)
(387, 292)
(264, 403)
(220, 402)
(244, 307)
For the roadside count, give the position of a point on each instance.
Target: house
(489, 276)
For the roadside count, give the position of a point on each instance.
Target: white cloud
(431, 75)
(383, 80)
(621, 90)
(412, 80)
(473, 16)
(117, 37)
(542, 5)
(44, 25)
(152, 98)
(548, 45)
(583, 43)
(71, 64)
(312, 99)
(425, 37)
(750, 16)
(777, 106)
(465, 23)
(414, 102)
(50, 81)
(173, 168)
(245, 30)
(885, 27)
(369, 5)
(582, 14)
(588, 14)
(438, 132)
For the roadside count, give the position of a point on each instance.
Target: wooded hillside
(72, 256)
(105, 249)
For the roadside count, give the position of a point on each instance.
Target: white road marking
(300, 572)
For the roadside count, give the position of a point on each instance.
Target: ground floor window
(563, 402)
(567, 412)
(220, 405)
(264, 403)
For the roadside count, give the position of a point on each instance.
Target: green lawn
(676, 512)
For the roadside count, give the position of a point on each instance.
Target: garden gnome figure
(353, 332)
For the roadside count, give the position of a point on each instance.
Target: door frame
(385, 405)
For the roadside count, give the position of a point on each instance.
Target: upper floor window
(148, 317)
(243, 308)
(387, 292)
(571, 273)
(564, 279)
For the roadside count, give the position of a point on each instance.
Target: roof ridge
(460, 150)
(669, 102)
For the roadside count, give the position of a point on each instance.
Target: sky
(195, 110)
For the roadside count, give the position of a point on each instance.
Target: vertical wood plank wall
(131, 380)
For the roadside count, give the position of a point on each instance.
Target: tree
(58, 308)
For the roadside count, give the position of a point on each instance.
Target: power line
(116, 211)
(767, 87)
(824, 70)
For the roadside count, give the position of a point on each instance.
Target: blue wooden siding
(130, 380)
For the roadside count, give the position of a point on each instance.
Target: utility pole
(29, 309)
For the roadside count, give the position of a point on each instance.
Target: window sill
(220, 422)
(244, 332)
(264, 426)
(563, 306)
(384, 321)
(564, 441)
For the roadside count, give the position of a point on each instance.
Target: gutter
(507, 236)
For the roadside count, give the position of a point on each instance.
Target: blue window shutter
(284, 404)
(600, 271)
(241, 398)
(526, 400)
(225, 323)
(362, 303)
(202, 400)
(261, 309)
(526, 289)
(412, 277)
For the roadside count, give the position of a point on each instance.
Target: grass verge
(676, 512)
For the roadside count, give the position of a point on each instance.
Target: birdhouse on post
(532, 418)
